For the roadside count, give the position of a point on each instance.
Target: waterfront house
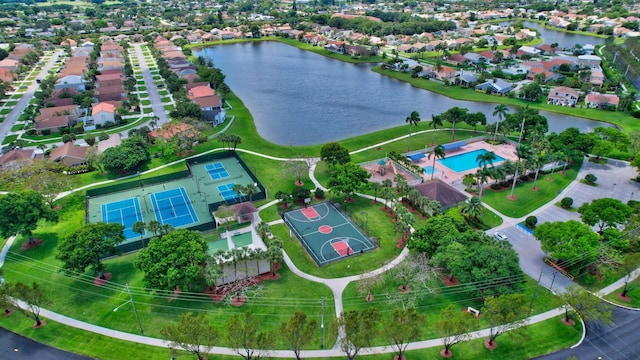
(562, 95)
(602, 101)
(496, 86)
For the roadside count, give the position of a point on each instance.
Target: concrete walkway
(337, 286)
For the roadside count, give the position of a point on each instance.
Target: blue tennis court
(226, 191)
(216, 171)
(125, 212)
(173, 207)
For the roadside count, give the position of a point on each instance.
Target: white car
(500, 236)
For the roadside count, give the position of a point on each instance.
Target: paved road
(614, 342)
(17, 347)
(9, 121)
(152, 89)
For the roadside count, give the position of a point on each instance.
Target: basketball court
(326, 233)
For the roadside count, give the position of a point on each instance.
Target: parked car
(500, 236)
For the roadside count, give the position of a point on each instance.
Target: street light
(121, 305)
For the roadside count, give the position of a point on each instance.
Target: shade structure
(454, 145)
(416, 157)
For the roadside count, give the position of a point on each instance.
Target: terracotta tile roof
(103, 106)
(208, 101)
(112, 76)
(191, 86)
(52, 122)
(200, 91)
(112, 71)
(56, 111)
(118, 89)
(167, 131)
(16, 155)
(68, 151)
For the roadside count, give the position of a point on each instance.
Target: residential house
(101, 114)
(74, 82)
(200, 91)
(496, 86)
(446, 73)
(69, 154)
(54, 118)
(466, 79)
(170, 130)
(15, 158)
(562, 95)
(6, 75)
(591, 61)
(596, 78)
(9, 64)
(601, 101)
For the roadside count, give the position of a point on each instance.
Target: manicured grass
(147, 111)
(380, 227)
(434, 299)
(169, 107)
(145, 102)
(140, 82)
(11, 103)
(611, 274)
(9, 139)
(163, 93)
(17, 127)
(490, 219)
(79, 298)
(633, 292)
(5, 111)
(166, 99)
(527, 199)
(142, 88)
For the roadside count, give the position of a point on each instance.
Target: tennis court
(226, 191)
(216, 171)
(125, 212)
(173, 207)
(326, 233)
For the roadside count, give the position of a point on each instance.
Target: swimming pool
(466, 161)
(429, 170)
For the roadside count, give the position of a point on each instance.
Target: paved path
(17, 347)
(156, 100)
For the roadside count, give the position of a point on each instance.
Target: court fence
(262, 192)
(136, 244)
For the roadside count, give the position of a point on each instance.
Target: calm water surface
(301, 98)
(564, 39)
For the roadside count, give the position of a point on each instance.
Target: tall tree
(437, 153)
(175, 260)
(139, 227)
(358, 329)
(34, 298)
(402, 327)
(413, 119)
(334, 154)
(605, 213)
(436, 120)
(571, 243)
(589, 307)
(454, 115)
(453, 326)
(472, 209)
(349, 178)
(298, 332)
(243, 336)
(85, 247)
(192, 333)
(21, 212)
(504, 313)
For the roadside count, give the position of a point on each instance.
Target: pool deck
(507, 151)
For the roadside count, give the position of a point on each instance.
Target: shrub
(300, 193)
(531, 222)
(46, 132)
(319, 193)
(496, 186)
(590, 179)
(566, 202)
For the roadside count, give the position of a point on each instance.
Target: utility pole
(134, 308)
(535, 291)
(322, 322)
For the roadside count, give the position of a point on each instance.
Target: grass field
(528, 199)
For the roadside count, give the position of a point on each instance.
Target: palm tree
(472, 208)
(250, 190)
(263, 229)
(438, 153)
(274, 253)
(139, 227)
(482, 175)
(240, 190)
(375, 186)
(388, 194)
(212, 270)
(501, 111)
(486, 158)
(412, 119)
(436, 121)
(154, 227)
(522, 152)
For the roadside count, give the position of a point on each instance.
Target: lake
(298, 97)
(564, 39)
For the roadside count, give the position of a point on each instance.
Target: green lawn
(528, 199)
(166, 99)
(5, 111)
(142, 88)
(17, 127)
(145, 102)
(163, 93)
(147, 111)
(168, 107)
(9, 139)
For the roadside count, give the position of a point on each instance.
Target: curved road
(17, 347)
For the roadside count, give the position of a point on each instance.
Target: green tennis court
(326, 233)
